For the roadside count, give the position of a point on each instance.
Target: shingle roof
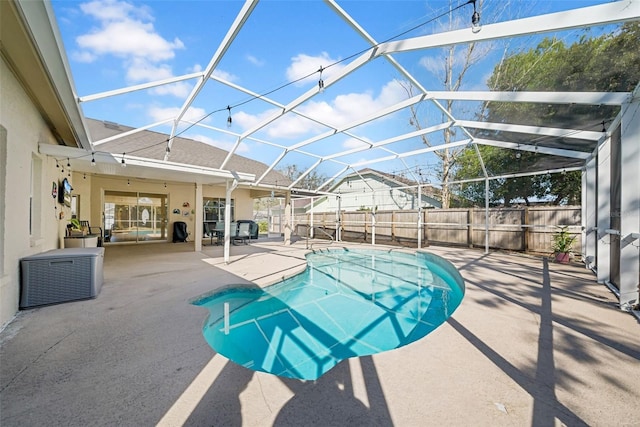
(427, 189)
(152, 145)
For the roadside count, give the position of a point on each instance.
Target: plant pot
(563, 257)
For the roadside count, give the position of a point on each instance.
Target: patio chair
(218, 231)
(207, 231)
(243, 233)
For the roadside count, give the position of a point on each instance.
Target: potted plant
(562, 244)
(74, 228)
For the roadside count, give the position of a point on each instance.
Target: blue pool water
(347, 303)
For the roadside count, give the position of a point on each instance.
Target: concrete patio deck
(533, 343)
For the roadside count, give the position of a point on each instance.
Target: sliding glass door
(134, 217)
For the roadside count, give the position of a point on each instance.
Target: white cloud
(129, 38)
(142, 70)
(343, 109)
(113, 10)
(225, 145)
(292, 126)
(288, 126)
(126, 31)
(179, 89)
(435, 66)
(224, 75)
(354, 143)
(304, 65)
(162, 113)
(85, 56)
(246, 121)
(255, 61)
(392, 93)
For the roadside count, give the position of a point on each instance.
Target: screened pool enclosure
(310, 120)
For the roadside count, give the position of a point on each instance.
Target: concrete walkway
(533, 343)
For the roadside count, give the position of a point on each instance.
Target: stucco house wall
(23, 129)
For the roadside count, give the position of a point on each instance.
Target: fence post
(373, 228)
(525, 234)
(470, 227)
(393, 226)
(426, 227)
(366, 220)
(419, 228)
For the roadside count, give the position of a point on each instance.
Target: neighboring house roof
(152, 145)
(430, 194)
(427, 189)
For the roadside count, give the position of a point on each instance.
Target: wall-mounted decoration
(176, 211)
(185, 205)
(64, 193)
(185, 213)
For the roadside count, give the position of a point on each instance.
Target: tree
(497, 161)
(607, 63)
(311, 181)
(452, 71)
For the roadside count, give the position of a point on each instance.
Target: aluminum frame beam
(604, 14)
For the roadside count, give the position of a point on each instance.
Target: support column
(486, 215)
(231, 185)
(338, 222)
(589, 214)
(198, 218)
(604, 211)
(311, 220)
(288, 231)
(419, 216)
(630, 205)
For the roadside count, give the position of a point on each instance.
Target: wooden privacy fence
(517, 229)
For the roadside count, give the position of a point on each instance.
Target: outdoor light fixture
(604, 129)
(320, 81)
(68, 163)
(518, 154)
(122, 163)
(93, 159)
(475, 19)
(229, 119)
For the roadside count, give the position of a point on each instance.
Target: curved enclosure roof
(332, 88)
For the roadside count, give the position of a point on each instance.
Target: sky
(114, 44)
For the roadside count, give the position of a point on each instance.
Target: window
(214, 209)
(134, 217)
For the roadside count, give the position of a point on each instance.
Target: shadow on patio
(532, 342)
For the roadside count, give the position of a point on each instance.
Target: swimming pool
(346, 303)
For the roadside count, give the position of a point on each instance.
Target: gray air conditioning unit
(61, 275)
